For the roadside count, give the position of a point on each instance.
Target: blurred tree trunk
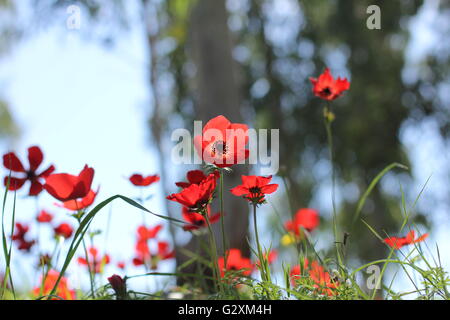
(217, 92)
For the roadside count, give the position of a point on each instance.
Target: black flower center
(220, 147)
(255, 190)
(326, 91)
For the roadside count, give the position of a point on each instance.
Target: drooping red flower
(95, 262)
(80, 204)
(145, 233)
(304, 218)
(195, 177)
(65, 187)
(145, 257)
(35, 158)
(222, 143)
(64, 229)
(19, 237)
(63, 290)
(44, 216)
(235, 262)
(140, 181)
(398, 243)
(254, 188)
(327, 88)
(118, 284)
(196, 220)
(197, 196)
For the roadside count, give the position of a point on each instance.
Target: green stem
(260, 255)
(222, 218)
(333, 181)
(215, 265)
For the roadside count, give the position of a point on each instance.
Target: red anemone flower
(44, 216)
(254, 188)
(81, 204)
(327, 88)
(145, 233)
(235, 262)
(397, 243)
(197, 196)
(94, 262)
(118, 285)
(196, 220)
(140, 181)
(145, 257)
(63, 291)
(121, 265)
(21, 231)
(65, 187)
(222, 143)
(64, 229)
(297, 270)
(195, 177)
(304, 218)
(323, 281)
(35, 158)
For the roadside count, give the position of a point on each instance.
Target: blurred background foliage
(251, 61)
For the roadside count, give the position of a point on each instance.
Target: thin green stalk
(222, 217)
(333, 180)
(260, 255)
(215, 265)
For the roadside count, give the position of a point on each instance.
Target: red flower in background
(304, 218)
(222, 143)
(121, 265)
(145, 233)
(80, 204)
(197, 196)
(196, 220)
(21, 231)
(64, 229)
(145, 257)
(35, 158)
(271, 257)
(254, 188)
(63, 291)
(140, 181)
(324, 283)
(397, 243)
(235, 262)
(95, 263)
(65, 187)
(296, 271)
(195, 177)
(44, 217)
(327, 88)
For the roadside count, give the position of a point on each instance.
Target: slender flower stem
(328, 128)
(216, 270)
(86, 255)
(222, 217)
(260, 255)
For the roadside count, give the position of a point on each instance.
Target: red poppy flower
(44, 216)
(64, 229)
(145, 233)
(35, 158)
(323, 281)
(21, 231)
(145, 257)
(118, 285)
(81, 204)
(254, 188)
(197, 196)
(397, 243)
(235, 262)
(121, 265)
(222, 143)
(195, 177)
(63, 291)
(65, 187)
(96, 263)
(196, 220)
(140, 181)
(327, 88)
(304, 218)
